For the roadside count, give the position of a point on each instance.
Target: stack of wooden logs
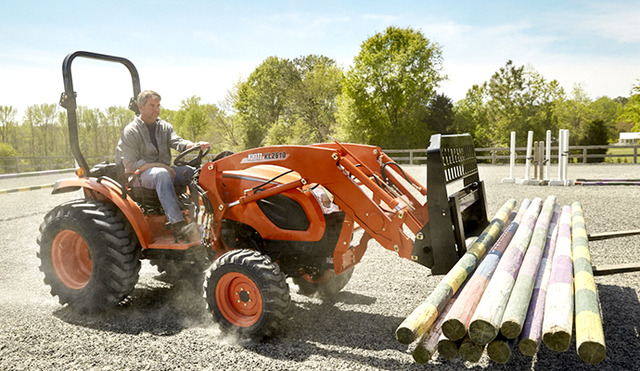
(494, 298)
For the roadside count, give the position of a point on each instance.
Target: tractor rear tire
(89, 255)
(247, 294)
(329, 285)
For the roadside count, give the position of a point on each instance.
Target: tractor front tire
(247, 294)
(89, 255)
(325, 287)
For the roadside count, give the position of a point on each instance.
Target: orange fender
(105, 190)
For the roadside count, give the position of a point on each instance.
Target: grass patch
(626, 155)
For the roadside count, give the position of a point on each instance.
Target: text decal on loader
(262, 157)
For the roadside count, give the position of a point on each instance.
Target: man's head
(149, 105)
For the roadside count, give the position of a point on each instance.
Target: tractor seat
(149, 197)
(143, 196)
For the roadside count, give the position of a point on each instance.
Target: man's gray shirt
(135, 148)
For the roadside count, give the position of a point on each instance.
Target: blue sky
(185, 48)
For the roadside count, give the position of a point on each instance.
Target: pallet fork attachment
(605, 270)
(452, 217)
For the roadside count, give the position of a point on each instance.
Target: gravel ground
(166, 326)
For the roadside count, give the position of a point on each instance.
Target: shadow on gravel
(163, 311)
(325, 328)
(341, 328)
(621, 321)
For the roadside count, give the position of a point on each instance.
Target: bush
(6, 150)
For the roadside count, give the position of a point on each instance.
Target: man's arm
(128, 149)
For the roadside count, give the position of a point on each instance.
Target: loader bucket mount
(452, 217)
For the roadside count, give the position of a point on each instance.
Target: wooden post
(421, 319)
(470, 351)
(516, 311)
(589, 334)
(485, 323)
(428, 343)
(536, 162)
(558, 309)
(500, 349)
(528, 158)
(531, 335)
(456, 324)
(448, 349)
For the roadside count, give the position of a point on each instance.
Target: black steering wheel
(196, 161)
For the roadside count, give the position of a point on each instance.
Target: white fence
(581, 154)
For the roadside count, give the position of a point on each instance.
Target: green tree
(286, 102)
(312, 109)
(42, 120)
(514, 99)
(589, 122)
(520, 99)
(225, 133)
(439, 117)
(89, 122)
(386, 92)
(116, 118)
(630, 114)
(470, 115)
(191, 120)
(6, 150)
(262, 98)
(7, 122)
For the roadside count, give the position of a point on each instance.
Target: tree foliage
(388, 97)
(514, 99)
(386, 92)
(589, 122)
(261, 100)
(630, 114)
(7, 122)
(311, 113)
(288, 102)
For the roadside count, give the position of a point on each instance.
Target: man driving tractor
(145, 149)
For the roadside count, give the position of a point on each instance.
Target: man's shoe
(185, 232)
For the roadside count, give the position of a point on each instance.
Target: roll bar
(68, 97)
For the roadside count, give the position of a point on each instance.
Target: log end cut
(405, 335)
(454, 329)
(470, 351)
(482, 332)
(592, 352)
(421, 354)
(510, 329)
(528, 347)
(448, 349)
(499, 351)
(557, 341)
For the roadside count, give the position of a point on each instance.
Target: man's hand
(204, 145)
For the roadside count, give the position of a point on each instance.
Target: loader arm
(371, 189)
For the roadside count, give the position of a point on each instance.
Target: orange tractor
(266, 214)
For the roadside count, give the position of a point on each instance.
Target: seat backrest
(110, 170)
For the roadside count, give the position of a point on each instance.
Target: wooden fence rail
(500, 155)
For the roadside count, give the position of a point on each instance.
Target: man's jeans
(161, 180)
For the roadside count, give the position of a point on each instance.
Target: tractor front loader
(266, 214)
